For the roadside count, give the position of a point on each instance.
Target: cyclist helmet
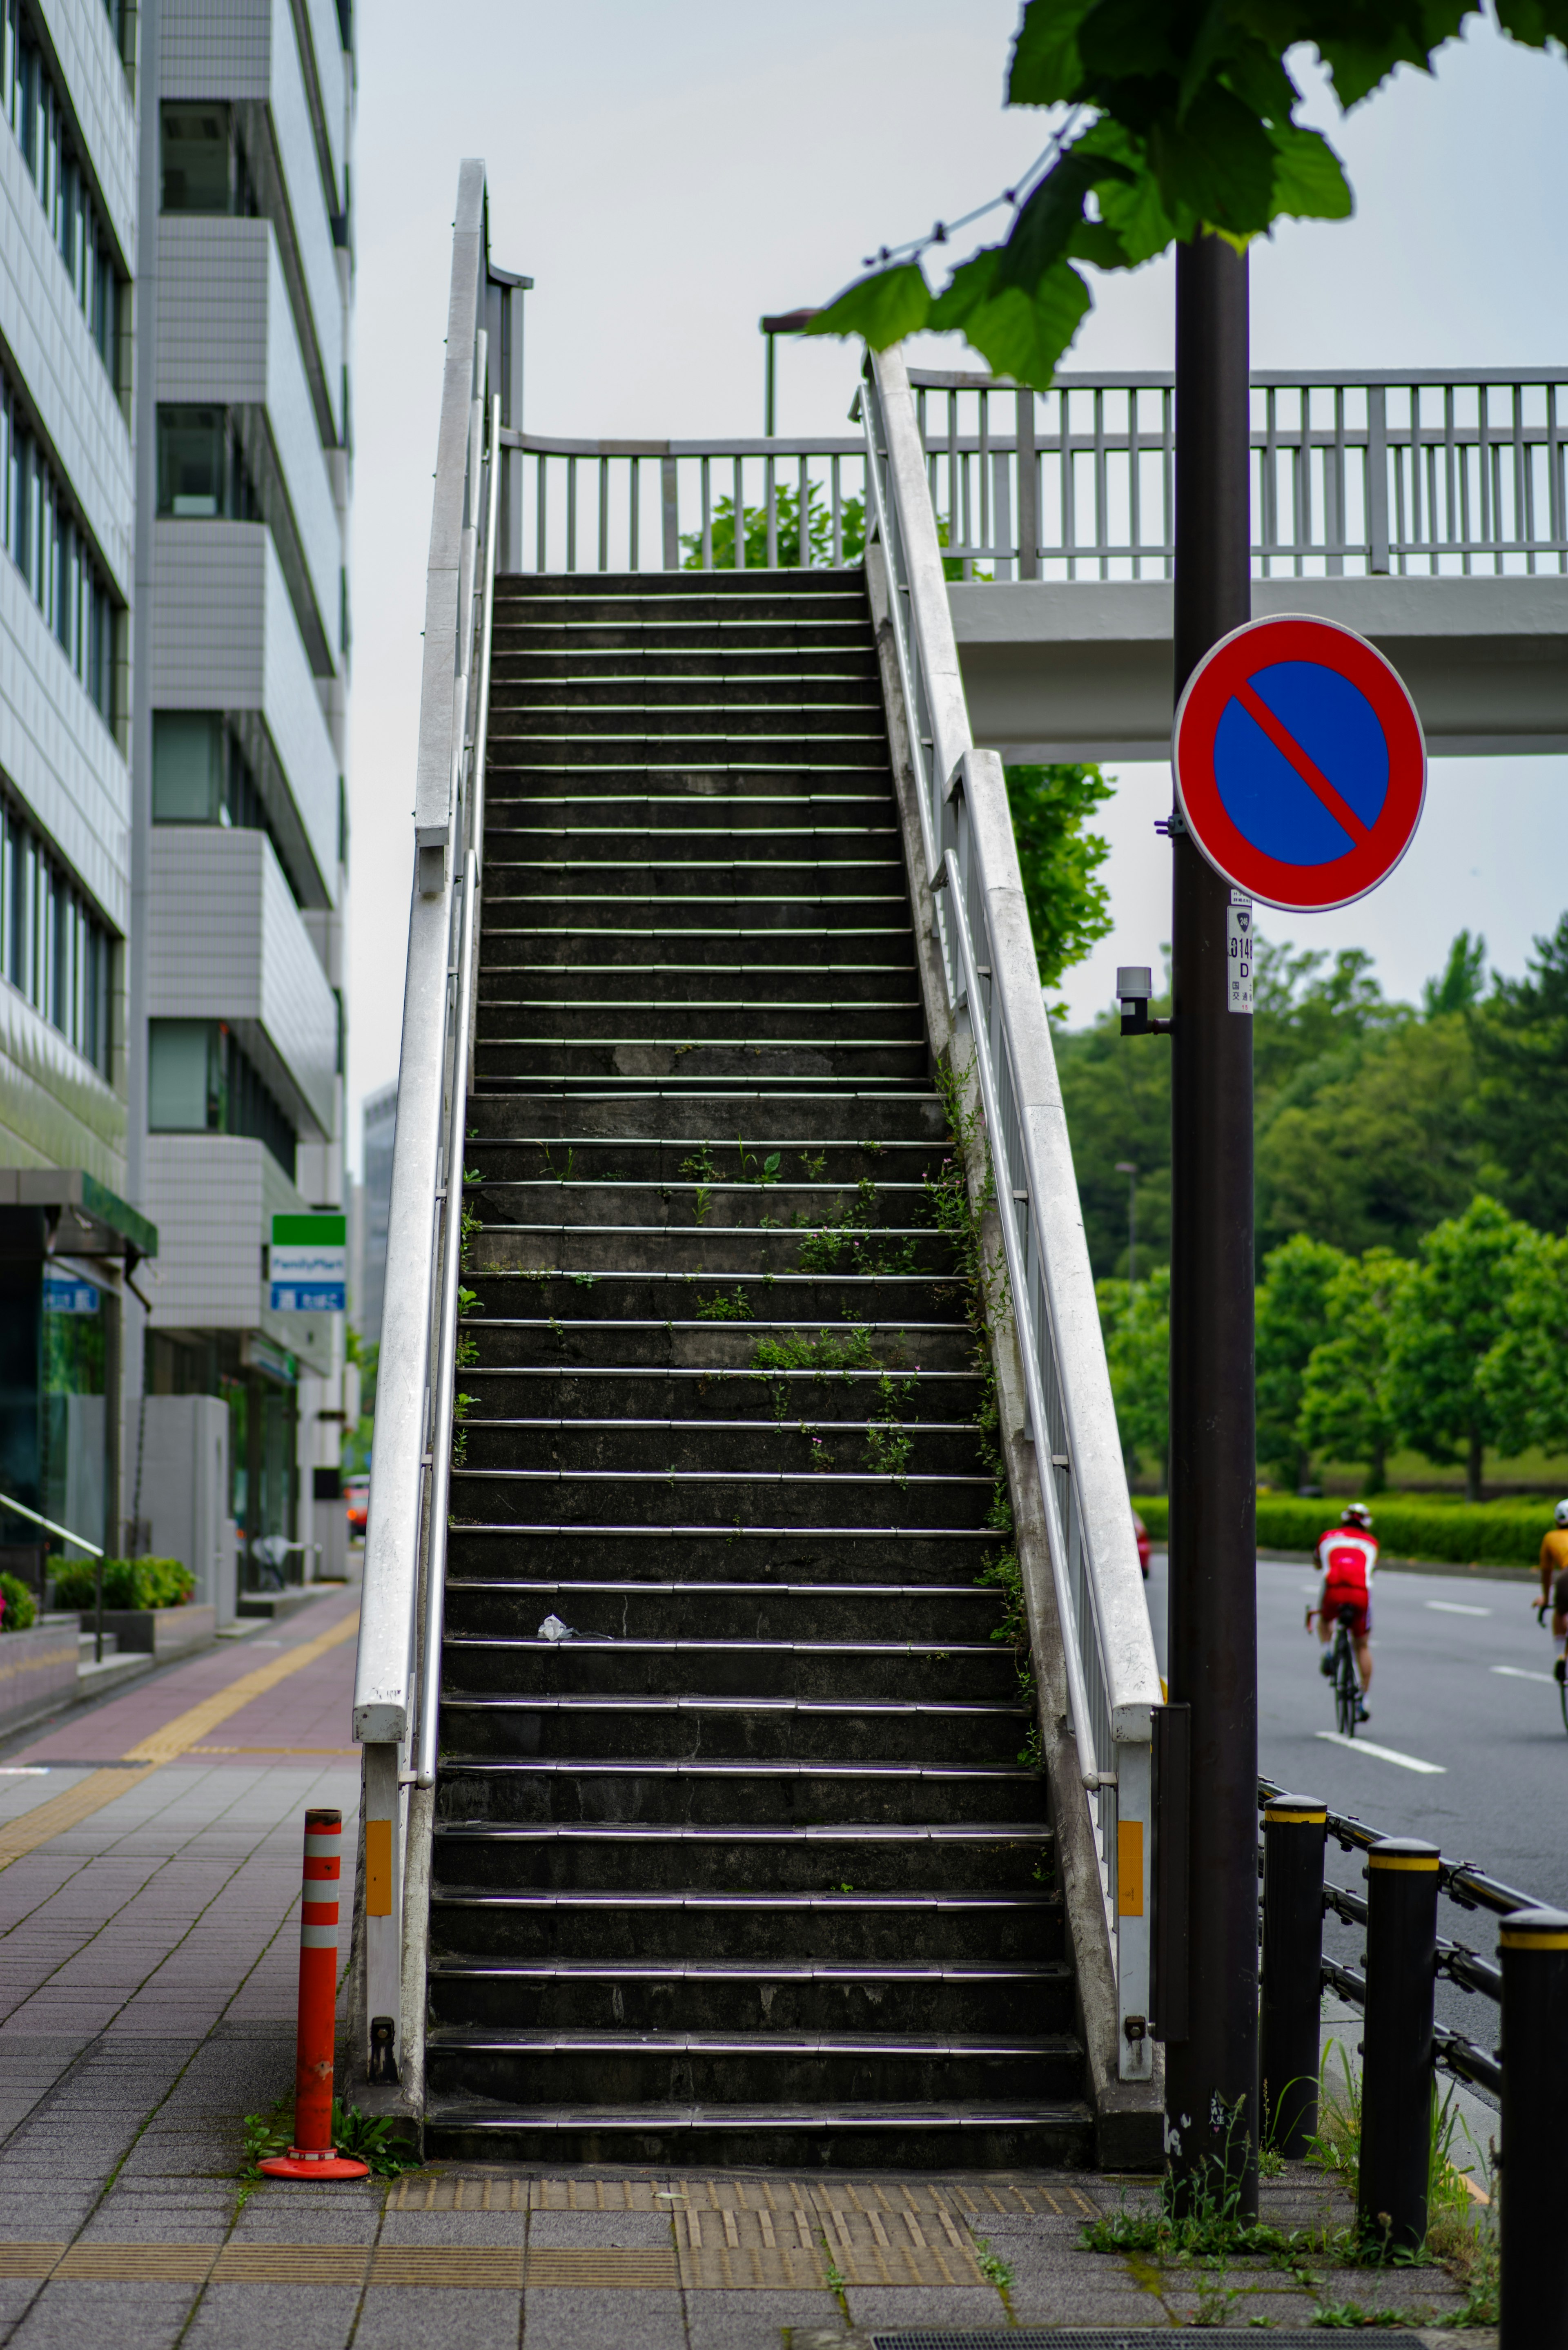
(1560, 1514)
(1357, 1514)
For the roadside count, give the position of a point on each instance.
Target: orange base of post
(295, 2165)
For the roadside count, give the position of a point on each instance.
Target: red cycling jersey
(1348, 1557)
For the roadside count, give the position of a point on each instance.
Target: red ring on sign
(1235, 661)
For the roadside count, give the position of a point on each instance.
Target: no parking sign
(1301, 768)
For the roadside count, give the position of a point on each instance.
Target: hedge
(1490, 1534)
(21, 1608)
(127, 1583)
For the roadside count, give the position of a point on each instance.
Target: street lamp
(1125, 1167)
(785, 322)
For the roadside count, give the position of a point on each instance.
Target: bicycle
(1347, 1686)
(1563, 1684)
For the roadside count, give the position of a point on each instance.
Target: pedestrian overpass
(742, 1409)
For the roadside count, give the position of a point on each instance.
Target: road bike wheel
(1563, 1701)
(1345, 1691)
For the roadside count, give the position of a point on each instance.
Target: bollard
(1396, 2078)
(312, 2154)
(1533, 1949)
(1295, 1829)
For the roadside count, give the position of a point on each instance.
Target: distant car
(1141, 1533)
(356, 1494)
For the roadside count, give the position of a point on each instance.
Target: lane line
(69, 1809)
(1381, 1753)
(1520, 1673)
(1455, 1607)
(1286, 742)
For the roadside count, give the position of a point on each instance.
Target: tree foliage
(786, 526)
(1521, 1037)
(1344, 1409)
(1291, 1322)
(1069, 907)
(1136, 1323)
(1523, 1377)
(1445, 1319)
(1180, 121)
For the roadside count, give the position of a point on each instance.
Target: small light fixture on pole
(787, 322)
(1125, 1167)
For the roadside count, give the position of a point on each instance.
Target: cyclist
(1347, 1555)
(1555, 1578)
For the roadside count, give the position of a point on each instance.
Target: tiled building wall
(55, 1109)
(225, 942)
(213, 1197)
(226, 637)
(95, 86)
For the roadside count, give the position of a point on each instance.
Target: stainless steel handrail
(987, 953)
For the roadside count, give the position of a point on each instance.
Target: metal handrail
(988, 959)
(398, 1670)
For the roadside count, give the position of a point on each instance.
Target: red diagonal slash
(1313, 777)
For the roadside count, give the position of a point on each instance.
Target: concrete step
(770, 1123)
(832, 990)
(790, 1299)
(755, 1447)
(558, 1554)
(732, 1858)
(508, 1607)
(486, 1663)
(631, 1925)
(771, 1397)
(718, 1996)
(583, 669)
(778, 717)
(738, 1795)
(696, 1025)
(626, 945)
(553, 1060)
(571, 1161)
(711, 1350)
(628, 1730)
(716, 1499)
(697, 1199)
(810, 2135)
(795, 875)
(712, 1251)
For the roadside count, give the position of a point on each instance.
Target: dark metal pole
(1295, 1832)
(1534, 1946)
(1397, 2078)
(1211, 2095)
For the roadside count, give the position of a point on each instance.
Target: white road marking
(1519, 1673)
(1455, 1607)
(24, 1770)
(1381, 1753)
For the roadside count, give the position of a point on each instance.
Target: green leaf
(1044, 226)
(1535, 22)
(1132, 210)
(1309, 179)
(1021, 334)
(1386, 32)
(1129, 40)
(1219, 163)
(1092, 241)
(883, 307)
(1046, 67)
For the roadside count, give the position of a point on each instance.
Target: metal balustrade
(991, 976)
(1413, 474)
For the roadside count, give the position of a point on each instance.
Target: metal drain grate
(1141, 2337)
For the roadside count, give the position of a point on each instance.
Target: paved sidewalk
(148, 1946)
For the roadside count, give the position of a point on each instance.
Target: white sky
(665, 174)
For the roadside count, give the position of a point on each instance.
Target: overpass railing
(990, 975)
(1414, 475)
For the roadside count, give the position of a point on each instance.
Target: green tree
(1307, 1020)
(1181, 122)
(1371, 1149)
(1525, 1376)
(1069, 907)
(786, 508)
(1521, 1038)
(1291, 1321)
(1459, 988)
(1115, 1090)
(1444, 1320)
(1136, 1328)
(1344, 1406)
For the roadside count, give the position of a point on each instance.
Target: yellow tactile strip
(29, 1830)
(727, 2234)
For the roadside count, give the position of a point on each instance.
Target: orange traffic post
(312, 2154)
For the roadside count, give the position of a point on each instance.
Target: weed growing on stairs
(888, 1443)
(732, 1306)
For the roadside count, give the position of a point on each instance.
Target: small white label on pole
(1239, 954)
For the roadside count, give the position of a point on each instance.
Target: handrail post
(1397, 2080)
(1295, 1832)
(1534, 1948)
(1029, 485)
(1377, 479)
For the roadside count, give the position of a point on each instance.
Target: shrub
(1414, 1525)
(21, 1608)
(127, 1583)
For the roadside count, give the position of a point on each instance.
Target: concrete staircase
(751, 1867)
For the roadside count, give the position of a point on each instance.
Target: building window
(204, 164)
(203, 474)
(41, 126)
(200, 1080)
(201, 775)
(54, 558)
(53, 947)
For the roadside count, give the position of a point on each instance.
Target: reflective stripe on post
(1534, 1949)
(313, 2155)
(1295, 1832)
(1396, 2080)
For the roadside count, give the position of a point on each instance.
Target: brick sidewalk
(148, 1974)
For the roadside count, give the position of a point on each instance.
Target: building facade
(176, 281)
(69, 175)
(245, 669)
